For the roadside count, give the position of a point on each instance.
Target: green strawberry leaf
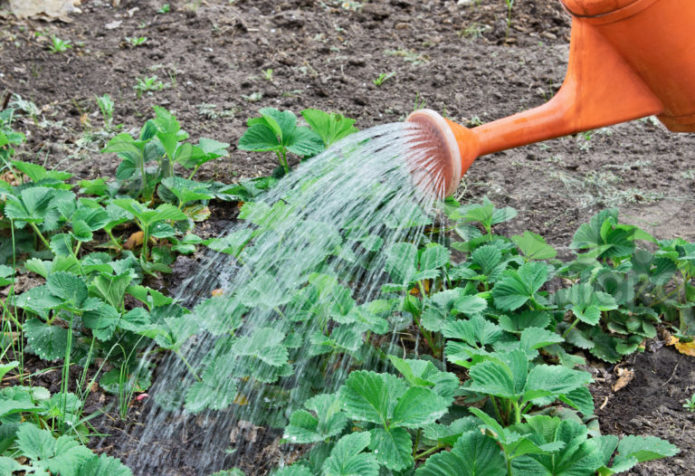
(556, 380)
(392, 448)
(348, 459)
(102, 321)
(103, 466)
(215, 391)
(331, 127)
(533, 246)
(371, 397)
(60, 456)
(516, 288)
(48, 342)
(68, 287)
(325, 422)
(474, 454)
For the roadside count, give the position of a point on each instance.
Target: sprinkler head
(449, 149)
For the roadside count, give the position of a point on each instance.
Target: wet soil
(458, 58)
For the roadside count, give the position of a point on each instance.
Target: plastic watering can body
(628, 59)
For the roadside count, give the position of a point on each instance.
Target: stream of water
(329, 223)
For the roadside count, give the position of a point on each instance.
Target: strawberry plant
(277, 131)
(163, 143)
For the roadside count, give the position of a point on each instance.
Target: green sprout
(690, 404)
(105, 104)
(510, 5)
(59, 46)
(148, 84)
(136, 41)
(382, 78)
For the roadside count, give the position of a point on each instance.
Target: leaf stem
(417, 442)
(428, 452)
(569, 329)
(43, 239)
(188, 365)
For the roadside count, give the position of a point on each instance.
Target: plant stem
(417, 442)
(195, 169)
(282, 158)
(497, 409)
(517, 412)
(83, 378)
(569, 329)
(145, 240)
(428, 452)
(188, 365)
(113, 239)
(143, 176)
(43, 239)
(65, 377)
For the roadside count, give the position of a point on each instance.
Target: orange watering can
(628, 59)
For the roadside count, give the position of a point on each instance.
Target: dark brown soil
(652, 404)
(455, 57)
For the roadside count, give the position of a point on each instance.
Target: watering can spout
(628, 59)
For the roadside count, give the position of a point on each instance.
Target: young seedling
(59, 46)
(510, 5)
(105, 104)
(268, 74)
(148, 84)
(166, 8)
(136, 41)
(382, 78)
(690, 404)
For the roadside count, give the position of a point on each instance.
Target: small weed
(166, 8)
(510, 5)
(690, 404)
(474, 31)
(409, 56)
(294, 93)
(584, 140)
(59, 46)
(475, 121)
(26, 106)
(382, 78)
(268, 74)
(210, 111)
(136, 41)
(419, 103)
(105, 104)
(148, 84)
(688, 174)
(253, 97)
